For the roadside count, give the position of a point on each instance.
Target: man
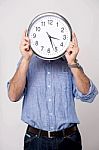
(49, 89)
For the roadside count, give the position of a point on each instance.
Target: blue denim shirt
(49, 95)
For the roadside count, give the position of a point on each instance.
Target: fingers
(25, 42)
(71, 45)
(74, 39)
(72, 48)
(24, 36)
(69, 51)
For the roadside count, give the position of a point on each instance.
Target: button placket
(49, 96)
(49, 80)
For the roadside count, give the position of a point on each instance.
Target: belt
(62, 133)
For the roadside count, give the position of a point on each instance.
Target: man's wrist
(24, 64)
(26, 60)
(75, 65)
(73, 62)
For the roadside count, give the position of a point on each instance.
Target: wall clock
(50, 35)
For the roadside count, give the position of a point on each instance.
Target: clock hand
(55, 48)
(55, 38)
(48, 35)
(52, 36)
(50, 40)
(52, 43)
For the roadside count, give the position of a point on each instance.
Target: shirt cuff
(89, 97)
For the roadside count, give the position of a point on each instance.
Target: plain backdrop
(15, 17)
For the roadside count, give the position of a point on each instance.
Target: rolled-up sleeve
(89, 97)
(8, 87)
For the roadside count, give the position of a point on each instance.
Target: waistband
(52, 134)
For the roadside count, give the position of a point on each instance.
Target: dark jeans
(34, 142)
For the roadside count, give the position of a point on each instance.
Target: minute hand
(50, 40)
(54, 38)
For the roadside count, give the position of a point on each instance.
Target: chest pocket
(60, 75)
(63, 78)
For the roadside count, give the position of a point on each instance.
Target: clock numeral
(50, 22)
(38, 28)
(57, 24)
(36, 43)
(62, 29)
(42, 47)
(64, 37)
(43, 23)
(34, 35)
(48, 50)
(61, 44)
(56, 49)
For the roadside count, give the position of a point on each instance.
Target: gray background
(15, 16)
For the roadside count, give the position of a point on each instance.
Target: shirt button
(49, 100)
(49, 86)
(48, 72)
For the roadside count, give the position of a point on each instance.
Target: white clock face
(50, 35)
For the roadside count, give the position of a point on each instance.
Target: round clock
(50, 35)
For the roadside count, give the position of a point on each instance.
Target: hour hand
(52, 36)
(48, 34)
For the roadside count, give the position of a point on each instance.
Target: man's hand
(25, 49)
(72, 50)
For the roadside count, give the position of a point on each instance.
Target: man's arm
(81, 80)
(18, 81)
